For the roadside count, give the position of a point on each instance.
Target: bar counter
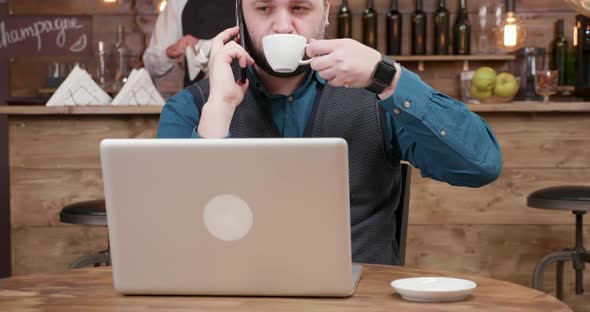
(522, 107)
(80, 110)
(54, 161)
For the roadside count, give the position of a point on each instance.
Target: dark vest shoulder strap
(200, 93)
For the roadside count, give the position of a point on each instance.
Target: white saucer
(433, 289)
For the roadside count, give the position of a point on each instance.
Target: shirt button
(290, 99)
(407, 104)
(443, 133)
(396, 111)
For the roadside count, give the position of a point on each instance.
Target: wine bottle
(462, 31)
(344, 21)
(559, 49)
(570, 67)
(370, 26)
(394, 30)
(418, 30)
(441, 29)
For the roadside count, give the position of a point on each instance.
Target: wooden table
(91, 290)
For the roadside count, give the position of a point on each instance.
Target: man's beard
(258, 55)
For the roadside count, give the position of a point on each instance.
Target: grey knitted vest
(354, 115)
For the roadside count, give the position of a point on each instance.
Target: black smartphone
(240, 22)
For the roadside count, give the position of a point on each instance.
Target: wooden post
(5, 228)
(5, 249)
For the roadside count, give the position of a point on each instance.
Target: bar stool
(577, 200)
(87, 213)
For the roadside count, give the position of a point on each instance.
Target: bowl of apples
(487, 86)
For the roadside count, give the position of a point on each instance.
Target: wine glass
(546, 83)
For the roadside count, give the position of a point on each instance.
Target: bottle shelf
(453, 58)
(472, 57)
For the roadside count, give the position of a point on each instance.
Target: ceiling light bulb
(510, 34)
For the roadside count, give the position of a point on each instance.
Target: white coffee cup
(284, 52)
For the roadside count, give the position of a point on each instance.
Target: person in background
(185, 23)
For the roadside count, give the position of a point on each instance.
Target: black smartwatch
(382, 75)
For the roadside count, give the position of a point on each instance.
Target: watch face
(384, 73)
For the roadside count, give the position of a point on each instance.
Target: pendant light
(510, 34)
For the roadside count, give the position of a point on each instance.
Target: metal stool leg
(579, 281)
(546, 261)
(559, 277)
(103, 257)
(559, 280)
(579, 265)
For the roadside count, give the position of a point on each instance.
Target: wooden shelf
(453, 58)
(531, 107)
(522, 107)
(80, 110)
(442, 58)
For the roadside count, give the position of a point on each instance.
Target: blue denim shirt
(434, 132)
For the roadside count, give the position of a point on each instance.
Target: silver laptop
(260, 217)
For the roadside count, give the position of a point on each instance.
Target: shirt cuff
(196, 135)
(157, 62)
(410, 98)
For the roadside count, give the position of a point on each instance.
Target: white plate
(433, 289)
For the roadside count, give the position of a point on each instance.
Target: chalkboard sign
(46, 35)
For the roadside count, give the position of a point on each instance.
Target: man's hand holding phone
(225, 93)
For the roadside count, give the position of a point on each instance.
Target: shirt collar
(312, 76)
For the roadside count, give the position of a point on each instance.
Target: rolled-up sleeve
(440, 135)
(167, 30)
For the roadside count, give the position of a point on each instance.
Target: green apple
(484, 78)
(480, 94)
(506, 85)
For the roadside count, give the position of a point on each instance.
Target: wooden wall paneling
(26, 78)
(542, 140)
(28, 74)
(38, 249)
(540, 27)
(80, 7)
(63, 7)
(40, 194)
(500, 203)
(54, 142)
(56, 176)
